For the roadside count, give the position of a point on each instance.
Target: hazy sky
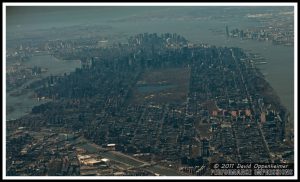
(41, 17)
(45, 17)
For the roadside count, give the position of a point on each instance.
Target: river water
(23, 104)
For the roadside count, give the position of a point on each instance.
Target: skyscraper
(205, 147)
(227, 31)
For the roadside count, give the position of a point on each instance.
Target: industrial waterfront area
(86, 100)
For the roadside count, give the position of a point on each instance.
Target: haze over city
(149, 90)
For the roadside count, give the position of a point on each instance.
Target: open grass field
(162, 86)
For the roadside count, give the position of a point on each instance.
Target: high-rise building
(227, 31)
(204, 147)
(241, 34)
